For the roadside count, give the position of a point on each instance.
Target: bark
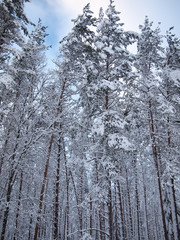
(65, 222)
(11, 180)
(174, 210)
(30, 227)
(110, 211)
(102, 222)
(81, 197)
(116, 213)
(155, 156)
(146, 209)
(77, 201)
(121, 211)
(19, 202)
(91, 216)
(8, 198)
(56, 207)
(99, 211)
(176, 231)
(137, 199)
(129, 205)
(67, 196)
(59, 109)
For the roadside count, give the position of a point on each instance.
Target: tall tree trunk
(67, 195)
(43, 188)
(11, 180)
(129, 206)
(81, 196)
(174, 211)
(116, 212)
(176, 231)
(102, 222)
(145, 208)
(59, 109)
(65, 223)
(137, 199)
(56, 206)
(97, 182)
(110, 211)
(8, 198)
(91, 216)
(155, 156)
(19, 202)
(77, 202)
(121, 211)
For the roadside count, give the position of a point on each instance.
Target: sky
(57, 15)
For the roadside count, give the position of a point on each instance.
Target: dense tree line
(89, 149)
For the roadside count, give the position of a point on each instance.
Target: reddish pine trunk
(172, 192)
(43, 188)
(145, 206)
(137, 199)
(129, 205)
(110, 212)
(8, 197)
(19, 201)
(67, 196)
(91, 219)
(155, 156)
(56, 210)
(10, 186)
(102, 222)
(121, 211)
(116, 212)
(47, 164)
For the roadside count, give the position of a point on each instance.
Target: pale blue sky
(57, 15)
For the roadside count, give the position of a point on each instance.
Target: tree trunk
(10, 186)
(56, 207)
(174, 211)
(137, 199)
(59, 109)
(121, 211)
(102, 222)
(129, 206)
(176, 230)
(67, 195)
(145, 207)
(110, 211)
(155, 156)
(116, 213)
(19, 202)
(8, 198)
(77, 201)
(91, 216)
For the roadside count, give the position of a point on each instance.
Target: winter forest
(89, 150)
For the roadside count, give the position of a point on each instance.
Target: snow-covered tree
(149, 59)
(19, 124)
(13, 24)
(89, 150)
(169, 106)
(110, 71)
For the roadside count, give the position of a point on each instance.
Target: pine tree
(109, 70)
(149, 57)
(13, 20)
(18, 127)
(169, 106)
